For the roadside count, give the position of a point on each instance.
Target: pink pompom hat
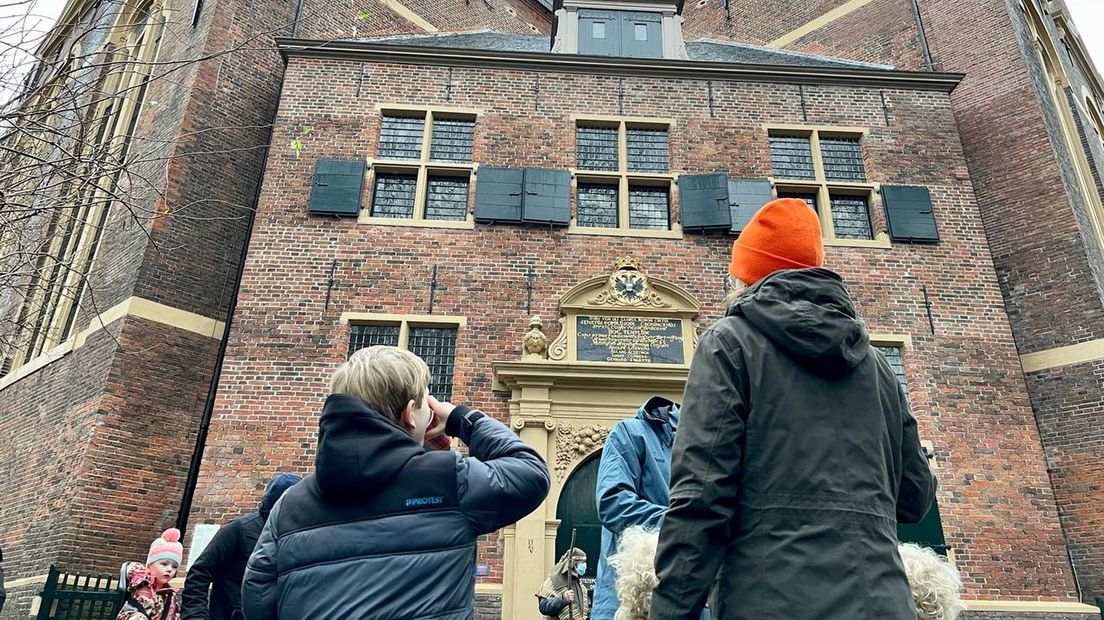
(167, 547)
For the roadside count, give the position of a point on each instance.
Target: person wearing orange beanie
(784, 234)
(797, 453)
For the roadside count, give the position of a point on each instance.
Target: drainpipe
(923, 35)
(212, 391)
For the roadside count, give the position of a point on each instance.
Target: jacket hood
(662, 415)
(359, 450)
(280, 482)
(808, 314)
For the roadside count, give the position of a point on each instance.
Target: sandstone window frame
(406, 323)
(825, 189)
(624, 178)
(1057, 82)
(423, 169)
(53, 308)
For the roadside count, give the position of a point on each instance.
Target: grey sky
(1089, 17)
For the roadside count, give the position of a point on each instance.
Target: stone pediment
(626, 317)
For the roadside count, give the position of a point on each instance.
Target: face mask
(580, 568)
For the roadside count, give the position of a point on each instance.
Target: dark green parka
(796, 456)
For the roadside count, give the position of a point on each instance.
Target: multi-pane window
(826, 170)
(623, 175)
(596, 205)
(424, 166)
(436, 344)
(401, 137)
(73, 233)
(896, 362)
(394, 195)
(596, 148)
(649, 208)
(792, 157)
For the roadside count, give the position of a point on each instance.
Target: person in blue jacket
(634, 476)
(384, 529)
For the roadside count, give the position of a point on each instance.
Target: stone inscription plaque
(632, 339)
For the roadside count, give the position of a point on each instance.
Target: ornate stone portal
(623, 338)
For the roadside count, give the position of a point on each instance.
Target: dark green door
(578, 511)
(927, 533)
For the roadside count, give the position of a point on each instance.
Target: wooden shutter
(338, 184)
(547, 197)
(641, 35)
(703, 202)
(910, 214)
(599, 32)
(498, 195)
(745, 197)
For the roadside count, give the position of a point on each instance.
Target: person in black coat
(221, 566)
(3, 593)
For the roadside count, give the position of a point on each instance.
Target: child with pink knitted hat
(149, 595)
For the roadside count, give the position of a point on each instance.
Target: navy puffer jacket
(384, 530)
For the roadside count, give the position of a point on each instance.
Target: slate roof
(702, 50)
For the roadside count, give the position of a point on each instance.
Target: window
(434, 342)
(423, 170)
(101, 147)
(825, 169)
(623, 177)
(896, 361)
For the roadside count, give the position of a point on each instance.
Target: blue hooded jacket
(384, 530)
(634, 477)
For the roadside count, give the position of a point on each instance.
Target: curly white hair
(934, 581)
(634, 564)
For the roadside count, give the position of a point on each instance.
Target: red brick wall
(965, 380)
(47, 423)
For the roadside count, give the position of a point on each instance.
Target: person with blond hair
(935, 583)
(797, 453)
(384, 528)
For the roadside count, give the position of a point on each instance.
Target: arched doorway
(577, 511)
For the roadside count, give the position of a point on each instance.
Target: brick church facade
(458, 168)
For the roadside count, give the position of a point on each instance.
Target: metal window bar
(851, 217)
(437, 346)
(843, 159)
(447, 198)
(810, 198)
(648, 150)
(596, 206)
(452, 139)
(401, 137)
(596, 148)
(363, 336)
(792, 157)
(649, 208)
(394, 195)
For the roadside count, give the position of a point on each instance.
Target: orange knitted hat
(784, 234)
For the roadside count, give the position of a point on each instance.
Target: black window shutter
(909, 213)
(547, 197)
(498, 195)
(703, 202)
(745, 197)
(338, 184)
